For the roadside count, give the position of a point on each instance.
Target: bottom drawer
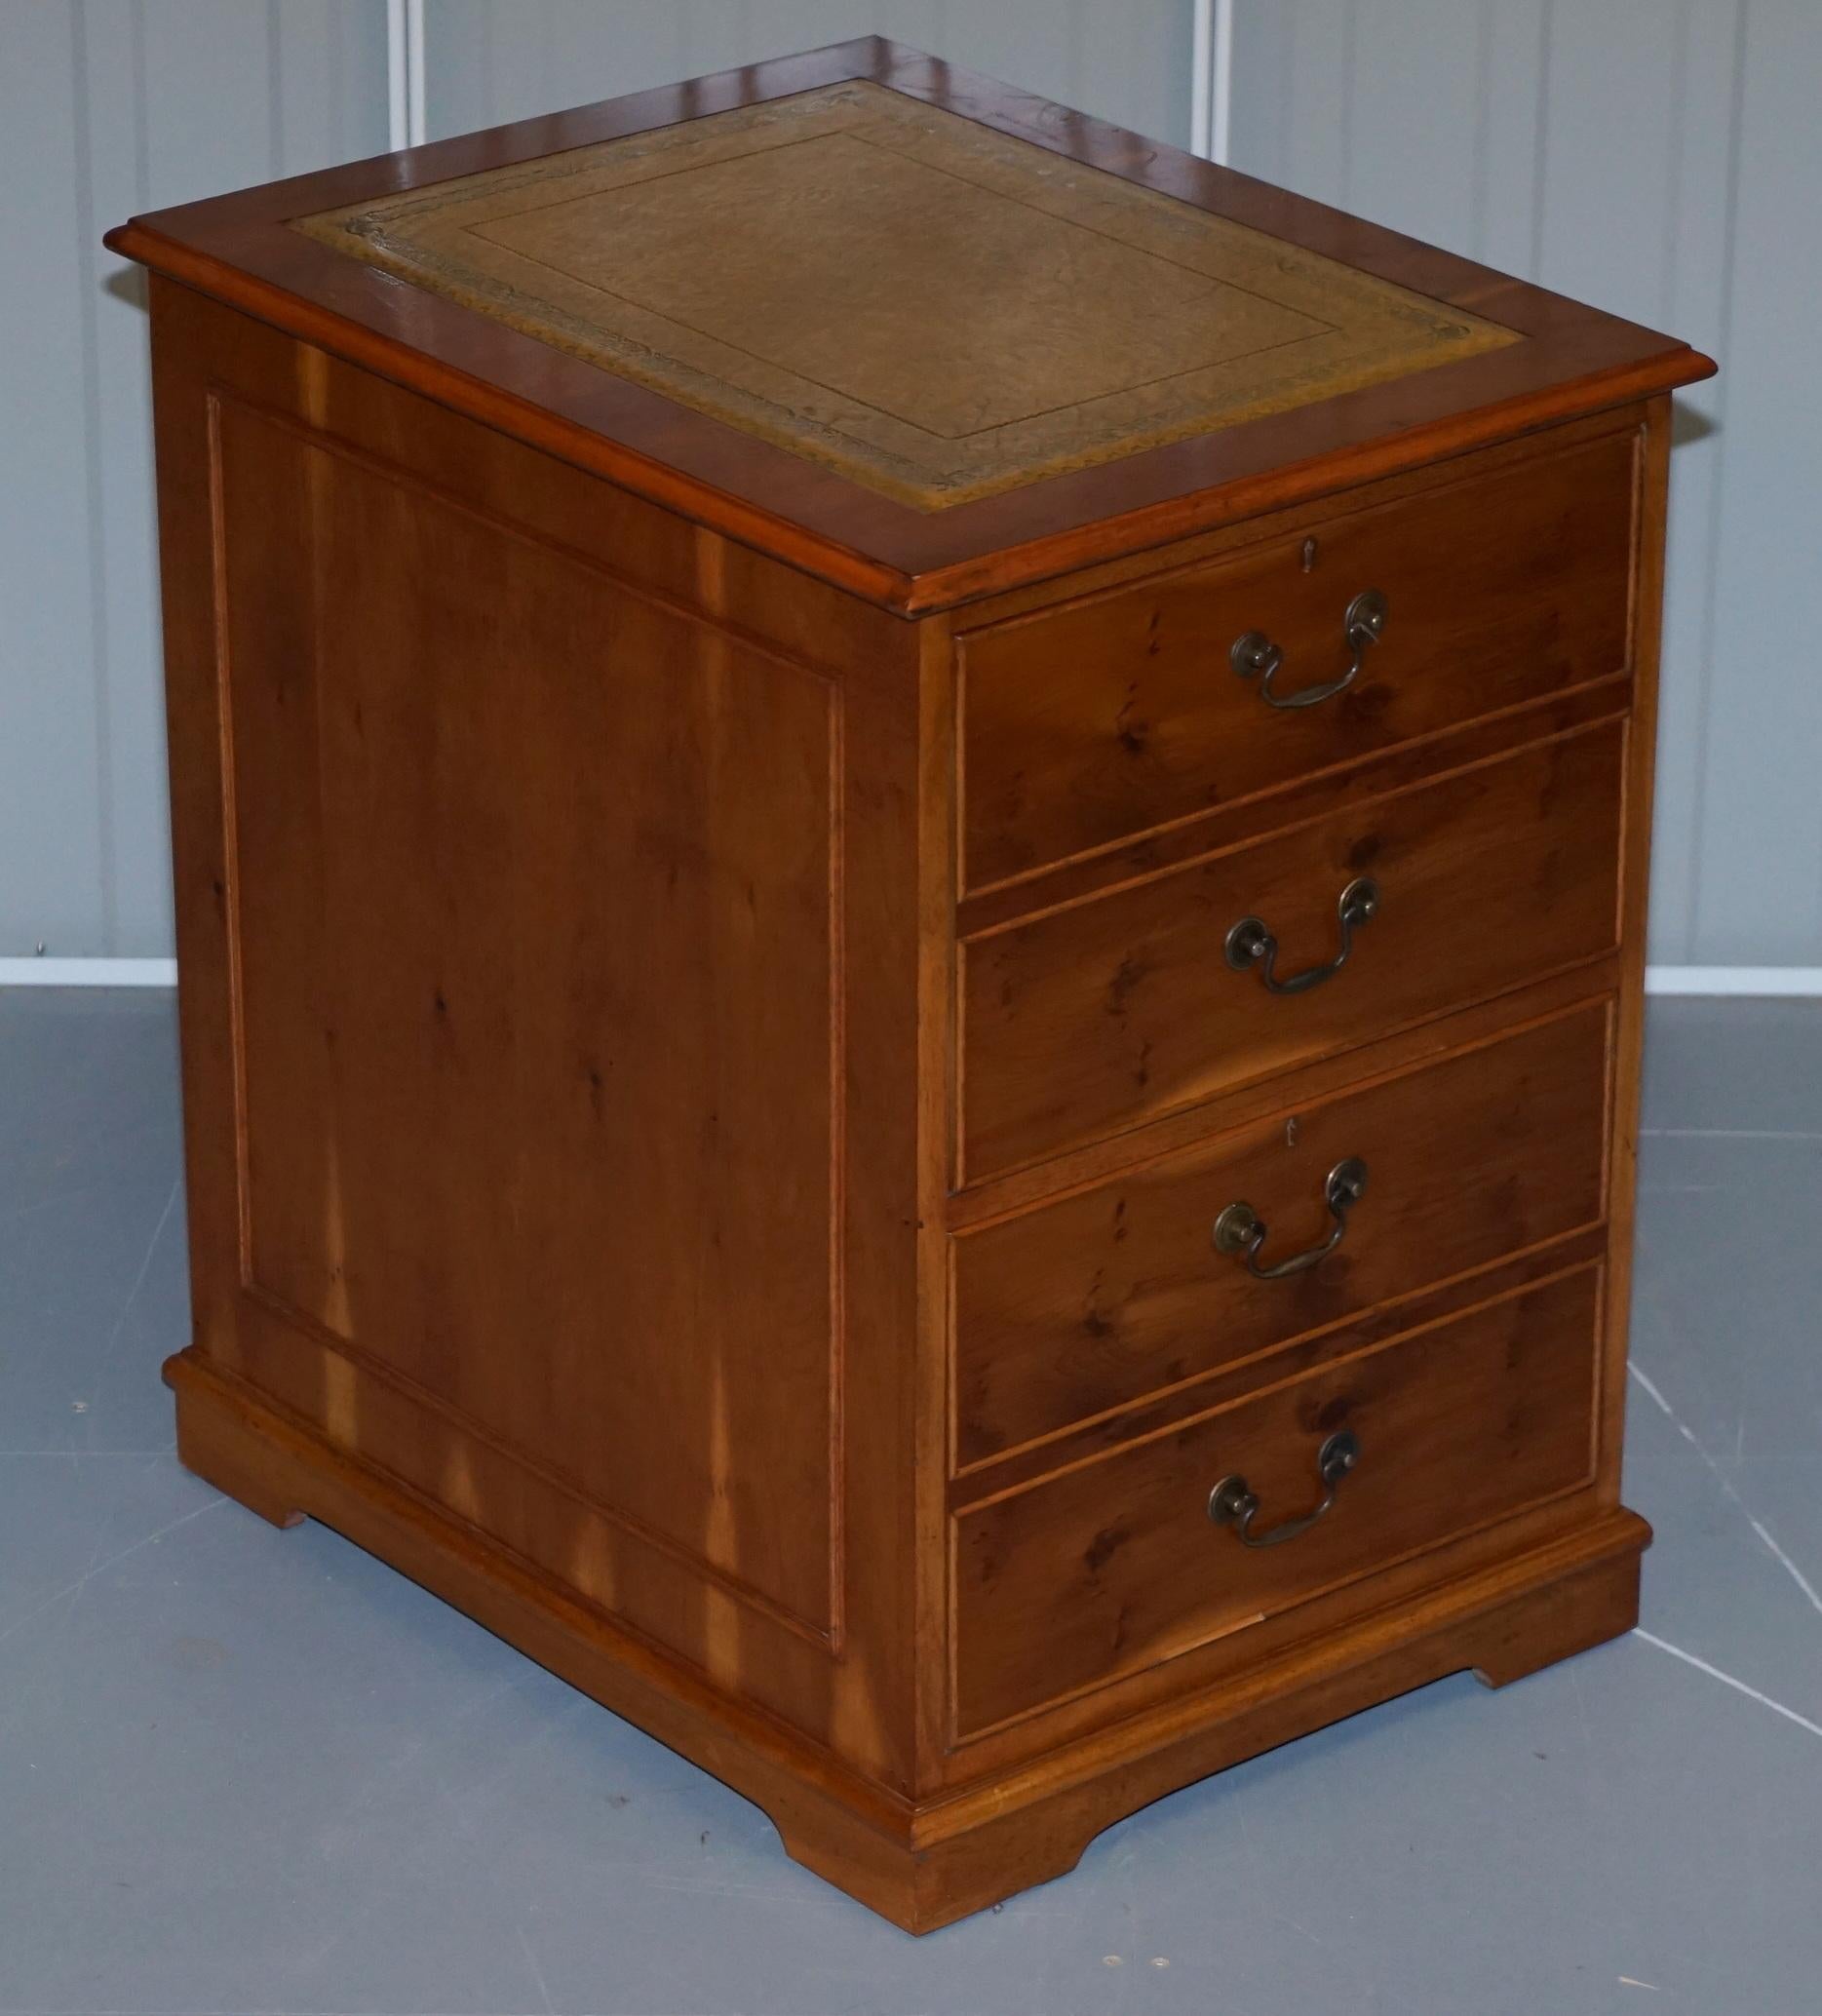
(1105, 1570)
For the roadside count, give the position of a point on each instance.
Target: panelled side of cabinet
(452, 723)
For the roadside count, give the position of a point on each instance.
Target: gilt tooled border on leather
(1405, 332)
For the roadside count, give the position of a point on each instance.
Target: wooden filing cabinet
(910, 856)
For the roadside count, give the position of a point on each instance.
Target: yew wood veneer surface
(396, 1036)
(1102, 1013)
(701, 890)
(1090, 724)
(1110, 1294)
(1117, 1565)
(548, 935)
(743, 480)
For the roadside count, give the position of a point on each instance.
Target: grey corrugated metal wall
(108, 107)
(1660, 157)
(494, 60)
(113, 106)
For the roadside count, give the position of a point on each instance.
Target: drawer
(1114, 1293)
(1117, 1566)
(1099, 1015)
(1094, 722)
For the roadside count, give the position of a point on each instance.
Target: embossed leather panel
(927, 305)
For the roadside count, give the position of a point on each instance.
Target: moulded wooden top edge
(240, 249)
(1273, 489)
(524, 420)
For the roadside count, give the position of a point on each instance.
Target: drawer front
(1116, 1566)
(1093, 1018)
(1112, 716)
(1114, 1294)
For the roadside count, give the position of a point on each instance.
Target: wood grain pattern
(1108, 1295)
(1223, 1669)
(576, 972)
(1115, 1565)
(1363, 780)
(1574, 360)
(1090, 724)
(1169, 1407)
(1092, 1017)
(392, 798)
(443, 1150)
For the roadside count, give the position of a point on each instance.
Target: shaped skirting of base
(923, 1865)
(218, 1447)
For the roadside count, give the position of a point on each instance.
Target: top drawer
(1085, 725)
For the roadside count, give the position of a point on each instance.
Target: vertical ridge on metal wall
(1658, 158)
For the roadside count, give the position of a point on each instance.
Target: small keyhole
(1309, 556)
(1290, 1134)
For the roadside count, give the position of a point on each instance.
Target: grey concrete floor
(245, 1771)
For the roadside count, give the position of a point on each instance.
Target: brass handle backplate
(1232, 1503)
(1254, 655)
(1241, 1231)
(1251, 947)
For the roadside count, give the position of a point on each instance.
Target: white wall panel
(53, 847)
(108, 107)
(1660, 158)
(1758, 852)
(492, 61)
